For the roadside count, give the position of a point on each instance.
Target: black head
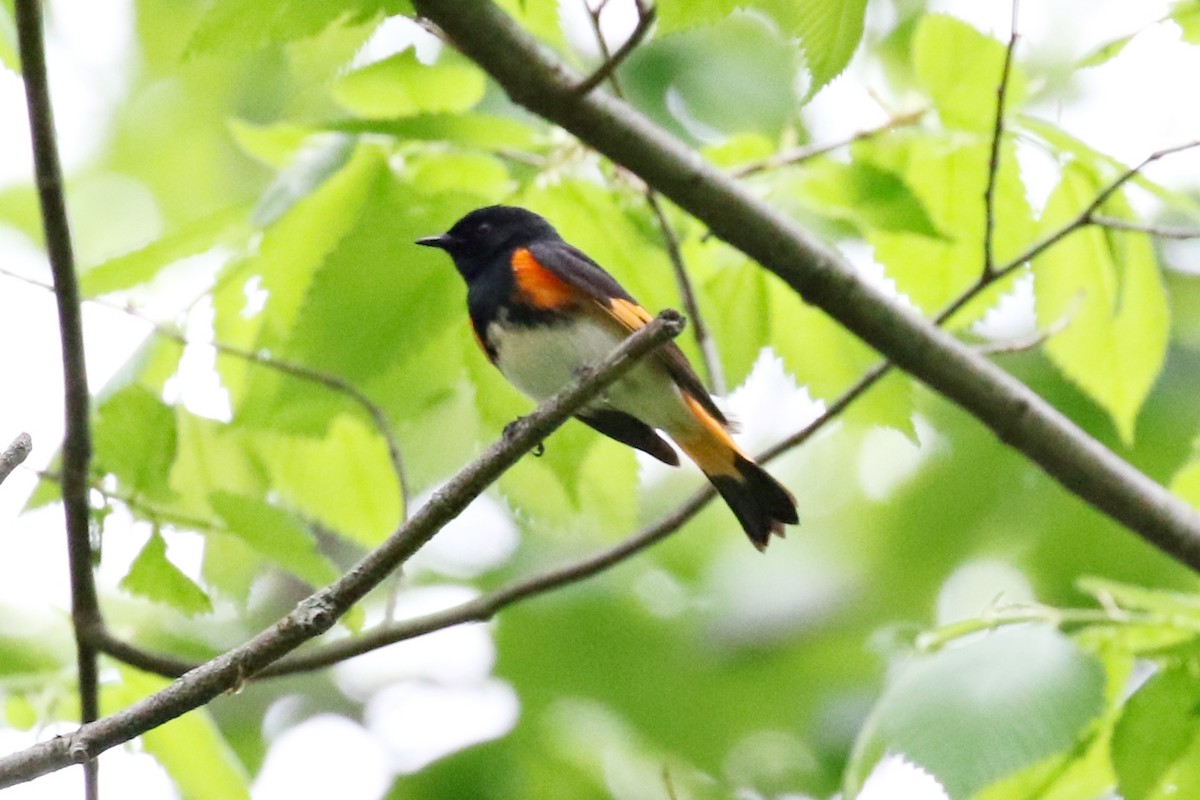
(485, 234)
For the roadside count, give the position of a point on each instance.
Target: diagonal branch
(1019, 417)
(484, 607)
(77, 443)
(320, 611)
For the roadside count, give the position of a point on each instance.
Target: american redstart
(541, 309)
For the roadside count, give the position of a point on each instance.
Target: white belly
(542, 360)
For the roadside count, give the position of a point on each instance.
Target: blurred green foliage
(261, 139)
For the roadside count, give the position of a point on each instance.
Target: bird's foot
(510, 430)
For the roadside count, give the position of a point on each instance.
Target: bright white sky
(1128, 108)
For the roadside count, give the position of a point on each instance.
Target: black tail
(758, 501)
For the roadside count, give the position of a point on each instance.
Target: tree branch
(320, 611)
(1019, 417)
(14, 455)
(77, 443)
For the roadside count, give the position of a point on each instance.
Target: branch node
(646, 18)
(314, 615)
(79, 752)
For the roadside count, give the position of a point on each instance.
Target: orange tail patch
(713, 449)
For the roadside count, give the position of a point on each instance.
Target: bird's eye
(484, 228)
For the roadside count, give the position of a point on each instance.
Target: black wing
(574, 267)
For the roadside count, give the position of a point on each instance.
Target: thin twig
(321, 610)
(328, 380)
(797, 155)
(989, 194)
(77, 443)
(704, 342)
(1150, 229)
(15, 454)
(135, 503)
(646, 16)
(1036, 339)
(1085, 217)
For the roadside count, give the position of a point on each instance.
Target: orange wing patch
(628, 313)
(539, 286)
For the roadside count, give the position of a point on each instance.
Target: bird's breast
(541, 359)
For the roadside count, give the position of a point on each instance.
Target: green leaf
(311, 167)
(154, 577)
(539, 17)
(275, 534)
(343, 481)
(1186, 483)
(232, 27)
(400, 86)
(1085, 772)
(1186, 14)
(469, 173)
(828, 359)
(291, 252)
(710, 83)
(274, 145)
(375, 298)
(139, 266)
(231, 566)
(1107, 287)
(829, 32)
(211, 457)
(736, 302)
(8, 39)
(1105, 52)
(190, 748)
(1140, 598)
(676, 15)
(1057, 142)
(947, 177)
(135, 439)
(24, 657)
(974, 713)
(486, 131)
(1160, 726)
(960, 69)
(866, 195)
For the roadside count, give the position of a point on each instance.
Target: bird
(541, 310)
